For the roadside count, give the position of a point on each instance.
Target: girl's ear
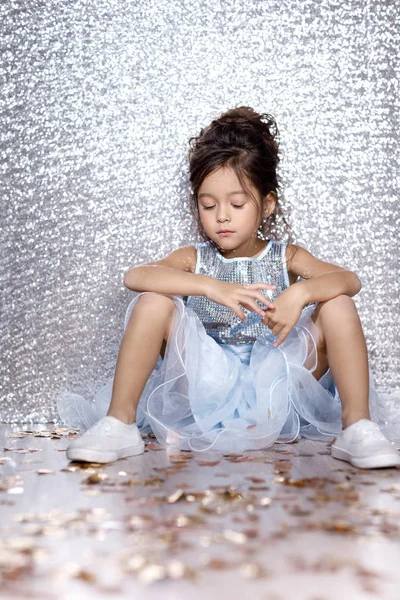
(269, 204)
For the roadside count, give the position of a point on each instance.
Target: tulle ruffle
(207, 396)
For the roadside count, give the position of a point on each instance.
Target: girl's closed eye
(234, 205)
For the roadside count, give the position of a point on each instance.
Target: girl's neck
(250, 250)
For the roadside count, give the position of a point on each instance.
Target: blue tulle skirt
(206, 396)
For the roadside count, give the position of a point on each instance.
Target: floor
(286, 522)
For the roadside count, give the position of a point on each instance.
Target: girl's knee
(154, 305)
(154, 300)
(330, 313)
(341, 302)
(159, 305)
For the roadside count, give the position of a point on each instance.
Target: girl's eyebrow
(203, 194)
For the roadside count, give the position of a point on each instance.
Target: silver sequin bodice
(221, 322)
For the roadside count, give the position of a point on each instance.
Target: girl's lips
(225, 233)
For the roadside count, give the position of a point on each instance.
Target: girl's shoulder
(188, 256)
(182, 259)
(191, 257)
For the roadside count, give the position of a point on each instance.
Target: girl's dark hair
(247, 142)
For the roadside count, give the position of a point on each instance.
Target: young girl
(236, 342)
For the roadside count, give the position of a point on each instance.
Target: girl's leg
(342, 347)
(144, 339)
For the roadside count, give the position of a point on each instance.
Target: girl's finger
(254, 306)
(283, 335)
(248, 305)
(264, 286)
(261, 298)
(239, 312)
(264, 300)
(259, 310)
(251, 305)
(260, 285)
(269, 324)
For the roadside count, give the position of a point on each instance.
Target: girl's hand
(234, 295)
(288, 307)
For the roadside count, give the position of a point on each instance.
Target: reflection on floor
(286, 522)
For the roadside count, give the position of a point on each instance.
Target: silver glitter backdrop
(98, 101)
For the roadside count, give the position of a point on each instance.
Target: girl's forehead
(224, 181)
(229, 194)
(222, 174)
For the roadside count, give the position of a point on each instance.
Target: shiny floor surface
(286, 522)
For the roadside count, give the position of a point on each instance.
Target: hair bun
(248, 117)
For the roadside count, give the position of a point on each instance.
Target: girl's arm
(323, 280)
(172, 275)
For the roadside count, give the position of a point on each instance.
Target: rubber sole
(366, 462)
(103, 456)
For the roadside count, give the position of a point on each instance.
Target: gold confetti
(95, 478)
(152, 572)
(180, 457)
(176, 569)
(178, 495)
(265, 501)
(22, 450)
(154, 446)
(236, 537)
(252, 570)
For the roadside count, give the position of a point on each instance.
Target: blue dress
(222, 385)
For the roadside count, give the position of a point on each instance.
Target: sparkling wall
(98, 101)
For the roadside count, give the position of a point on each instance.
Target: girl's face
(224, 205)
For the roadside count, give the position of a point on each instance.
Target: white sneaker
(106, 441)
(364, 446)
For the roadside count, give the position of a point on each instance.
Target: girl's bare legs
(144, 339)
(342, 347)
